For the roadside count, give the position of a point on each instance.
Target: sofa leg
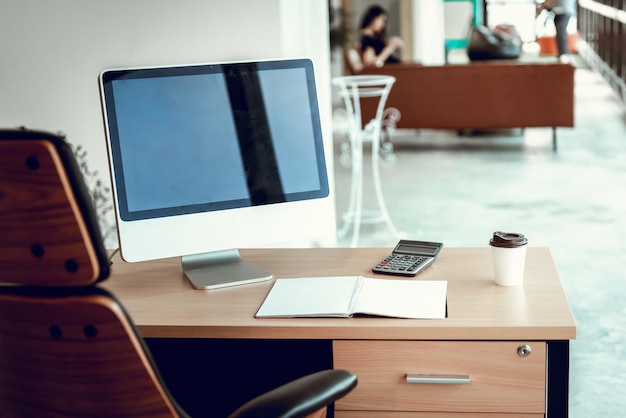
(554, 139)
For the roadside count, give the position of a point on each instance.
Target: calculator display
(415, 249)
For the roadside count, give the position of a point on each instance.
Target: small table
(354, 89)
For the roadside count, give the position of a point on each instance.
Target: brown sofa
(480, 95)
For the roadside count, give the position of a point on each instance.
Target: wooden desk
(486, 325)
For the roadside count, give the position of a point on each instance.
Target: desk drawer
(500, 379)
(385, 414)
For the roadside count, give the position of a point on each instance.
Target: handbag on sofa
(499, 43)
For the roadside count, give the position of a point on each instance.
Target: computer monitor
(209, 158)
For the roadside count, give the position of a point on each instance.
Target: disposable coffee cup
(509, 257)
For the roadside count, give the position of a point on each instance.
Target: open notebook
(346, 296)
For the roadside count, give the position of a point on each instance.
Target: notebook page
(403, 298)
(309, 296)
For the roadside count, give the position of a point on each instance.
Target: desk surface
(163, 304)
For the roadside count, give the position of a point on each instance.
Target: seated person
(376, 49)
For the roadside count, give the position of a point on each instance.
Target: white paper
(403, 298)
(338, 296)
(310, 296)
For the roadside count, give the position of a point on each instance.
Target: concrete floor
(459, 189)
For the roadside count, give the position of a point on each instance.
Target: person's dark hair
(370, 14)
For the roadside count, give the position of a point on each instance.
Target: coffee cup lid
(507, 239)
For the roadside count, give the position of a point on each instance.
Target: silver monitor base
(221, 269)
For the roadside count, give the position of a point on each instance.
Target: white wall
(458, 19)
(428, 35)
(51, 53)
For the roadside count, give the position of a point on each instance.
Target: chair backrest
(352, 59)
(67, 347)
(357, 90)
(46, 217)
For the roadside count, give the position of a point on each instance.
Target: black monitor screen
(213, 137)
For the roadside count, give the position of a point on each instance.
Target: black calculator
(409, 258)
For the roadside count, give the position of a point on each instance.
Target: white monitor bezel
(188, 234)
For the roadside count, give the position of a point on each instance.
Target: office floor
(459, 189)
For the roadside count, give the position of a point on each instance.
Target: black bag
(499, 43)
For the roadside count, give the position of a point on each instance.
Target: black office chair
(67, 347)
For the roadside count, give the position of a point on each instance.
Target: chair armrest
(300, 397)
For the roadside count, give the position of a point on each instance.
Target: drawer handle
(438, 379)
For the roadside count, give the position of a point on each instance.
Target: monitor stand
(221, 269)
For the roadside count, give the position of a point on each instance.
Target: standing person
(376, 49)
(563, 11)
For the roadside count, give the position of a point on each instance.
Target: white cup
(509, 257)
